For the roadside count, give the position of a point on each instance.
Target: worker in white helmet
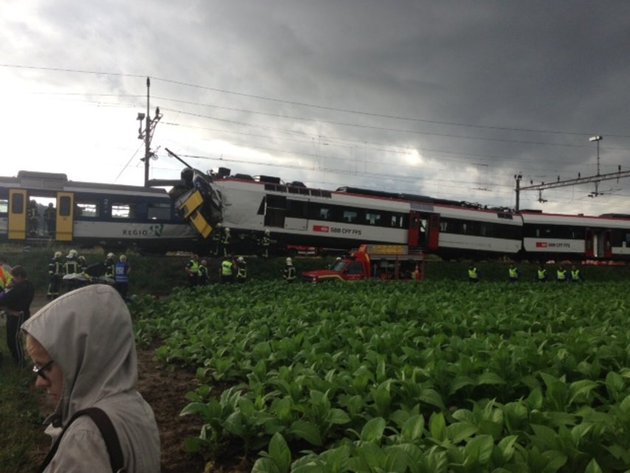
(288, 273)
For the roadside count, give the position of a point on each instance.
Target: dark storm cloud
(479, 90)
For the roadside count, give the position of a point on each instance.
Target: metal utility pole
(518, 178)
(147, 133)
(573, 182)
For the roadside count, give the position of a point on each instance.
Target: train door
(604, 247)
(414, 238)
(433, 233)
(589, 247)
(18, 203)
(65, 216)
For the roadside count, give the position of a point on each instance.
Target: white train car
(576, 236)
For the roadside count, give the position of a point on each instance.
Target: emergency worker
(203, 273)
(227, 270)
(110, 264)
(513, 274)
(289, 273)
(265, 243)
(541, 274)
(473, 273)
(32, 217)
(192, 270)
(50, 216)
(121, 276)
(71, 265)
(561, 274)
(576, 274)
(225, 242)
(55, 275)
(241, 270)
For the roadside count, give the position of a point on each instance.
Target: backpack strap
(105, 426)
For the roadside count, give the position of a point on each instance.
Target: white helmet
(57, 254)
(123, 258)
(227, 229)
(289, 261)
(240, 259)
(267, 231)
(72, 254)
(111, 255)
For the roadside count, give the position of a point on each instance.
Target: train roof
(51, 182)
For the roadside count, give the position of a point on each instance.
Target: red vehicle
(372, 261)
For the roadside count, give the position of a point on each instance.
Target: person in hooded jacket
(82, 345)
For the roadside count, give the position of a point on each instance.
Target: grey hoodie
(88, 333)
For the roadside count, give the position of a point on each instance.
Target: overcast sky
(444, 98)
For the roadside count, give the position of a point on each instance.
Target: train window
(297, 209)
(159, 211)
(4, 206)
(372, 218)
(325, 213)
(121, 211)
(65, 206)
(17, 205)
(350, 216)
(88, 209)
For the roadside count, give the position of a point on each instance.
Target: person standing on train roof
(541, 274)
(192, 270)
(55, 275)
(121, 276)
(473, 273)
(513, 274)
(289, 273)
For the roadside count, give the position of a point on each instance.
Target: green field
(418, 377)
(436, 376)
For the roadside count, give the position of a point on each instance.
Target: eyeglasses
(41, 371)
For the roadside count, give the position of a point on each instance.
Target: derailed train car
(299, 215)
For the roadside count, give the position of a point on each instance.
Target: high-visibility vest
(55, 267)
(473, 273)
(71, 266)
(561, 274)
(289, 273)
(575, 275)
(513, 272)
(542, 274)
(193, 266)
(226, 268)
(241, 271)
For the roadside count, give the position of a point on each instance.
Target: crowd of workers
(513, 274)
(72, 271)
